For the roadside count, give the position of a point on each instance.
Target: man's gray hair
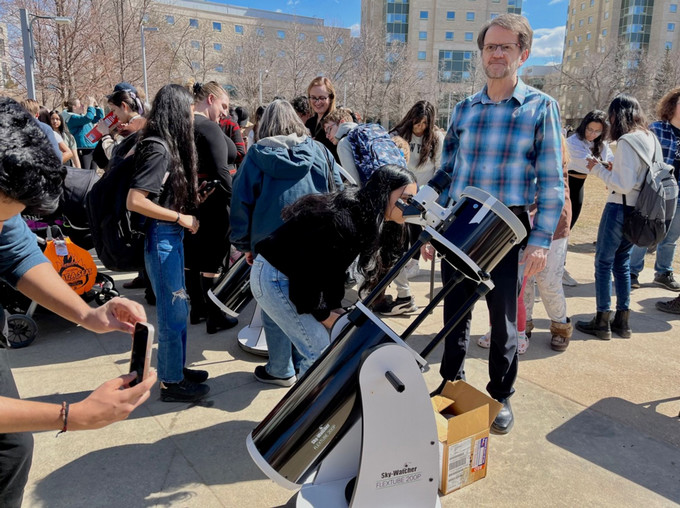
(280, 119)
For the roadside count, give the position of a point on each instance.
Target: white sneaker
(568, 280)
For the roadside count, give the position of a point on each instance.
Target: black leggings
(576, 197)
(85, 156)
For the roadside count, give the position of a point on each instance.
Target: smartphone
(209, 185)
(140, 356)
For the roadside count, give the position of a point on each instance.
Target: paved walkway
(596, 425)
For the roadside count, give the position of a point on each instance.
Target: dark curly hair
(596, 116)
(30, 171)
(382, 243)
(171, 119)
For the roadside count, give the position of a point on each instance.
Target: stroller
(67, 254)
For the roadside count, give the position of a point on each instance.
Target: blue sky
(547, 18)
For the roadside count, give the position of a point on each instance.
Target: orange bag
(73, 264)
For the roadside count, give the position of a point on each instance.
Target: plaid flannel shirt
(511, 149)
(667, 138)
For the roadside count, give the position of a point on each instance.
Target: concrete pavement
(596, 425)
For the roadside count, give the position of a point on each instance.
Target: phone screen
(140, 347)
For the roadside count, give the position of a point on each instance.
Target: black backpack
(117, 233)
(648, 223)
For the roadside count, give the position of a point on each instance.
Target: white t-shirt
(425, 172)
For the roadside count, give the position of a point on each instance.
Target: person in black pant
(207, 250)
(31, 178)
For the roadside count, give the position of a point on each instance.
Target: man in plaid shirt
(505, 140)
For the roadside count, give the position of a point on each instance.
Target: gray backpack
(648, 223)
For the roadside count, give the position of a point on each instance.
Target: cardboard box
(464, 416)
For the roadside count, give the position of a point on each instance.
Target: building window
(259, 32)
(450, 15)
(281, 34)
(170, 20)
(469, 36)
(671, 27)
(583, 6)
(449, 36)
(195, 44)
(219, 68)
(424, 15)
(493, 15)
(217, 26)
(571, 27)
(454, 65)
(588, 36)
(422, 55)
(422, 36)
(580, 22)
(579, 38)
(592, 2)
(673, 8)
(570, 43)
(238, 29)
(606, 15)
(604, 32)
(669, 45)
(193, 23)
(217, 46)
(590, 19)
(470, 16)
(319, 38)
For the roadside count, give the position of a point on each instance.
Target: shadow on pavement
(627, 449)
(158, 474)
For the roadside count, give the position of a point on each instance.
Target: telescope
(358, 428)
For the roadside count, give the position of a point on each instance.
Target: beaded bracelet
(64, 416)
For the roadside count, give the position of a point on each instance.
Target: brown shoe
(561, 333)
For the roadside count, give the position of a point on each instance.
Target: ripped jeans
(164, 259)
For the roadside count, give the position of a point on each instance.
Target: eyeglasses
(593, 131)
(318, 99)
(329, 128)
(505, 48)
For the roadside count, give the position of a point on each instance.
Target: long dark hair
(382, 243)
(171, 119)
(62, 125)
(600, 117)
(420, 110)
(625, 115)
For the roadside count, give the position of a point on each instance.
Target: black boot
(620, 324)
(216, 319)
(198, 310)
(598, 326)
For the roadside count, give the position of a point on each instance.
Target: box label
(459, 464)
(479, 454)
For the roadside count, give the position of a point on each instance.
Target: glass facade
(515, 6)
(396, 18)
(454, 66)
(635, 22)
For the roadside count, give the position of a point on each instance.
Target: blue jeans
(164, 259)
(612, 255)
(665, 251)
(283, 326)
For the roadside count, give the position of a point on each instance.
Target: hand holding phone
(140, 356)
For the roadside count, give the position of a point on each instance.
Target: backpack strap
(638, 147)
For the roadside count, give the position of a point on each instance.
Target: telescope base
(252, 338)
(397, 442)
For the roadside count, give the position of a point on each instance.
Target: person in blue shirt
(31, 178)
(506, 140)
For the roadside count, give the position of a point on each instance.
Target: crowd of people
(289, 192)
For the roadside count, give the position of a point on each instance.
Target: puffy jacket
(274, 174)
(79, 125)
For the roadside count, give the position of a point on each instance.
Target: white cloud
(548, 42)
(355, 29)
(553, 2)
(279, 10)
(293, 2)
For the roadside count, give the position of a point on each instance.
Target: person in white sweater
(625, 178)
